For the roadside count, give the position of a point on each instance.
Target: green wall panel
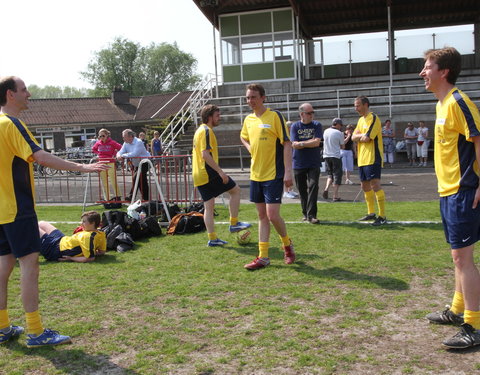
(282, 20)
(285, 69)
(256, 23)
(232, 73)
(229, 26)
(256, 72)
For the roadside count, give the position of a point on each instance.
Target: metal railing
(201, 94)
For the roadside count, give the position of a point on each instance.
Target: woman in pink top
(106, 149)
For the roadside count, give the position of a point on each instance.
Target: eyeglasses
(309, 113)
(101, 136)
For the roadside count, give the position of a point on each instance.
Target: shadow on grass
(72, 361)
(110, 257)
(338, 273)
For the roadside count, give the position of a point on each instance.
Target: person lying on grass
(82, 246)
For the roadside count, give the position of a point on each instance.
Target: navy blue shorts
(20, 238)
(214, 188)
(370, 172)
(461, 223)
(266, 191)
(50, 247)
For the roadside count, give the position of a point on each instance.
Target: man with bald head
(306, 136)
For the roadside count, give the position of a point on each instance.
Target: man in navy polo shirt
(306, 136)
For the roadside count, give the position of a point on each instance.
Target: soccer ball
(243, 237)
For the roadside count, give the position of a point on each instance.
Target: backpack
(191, 222)
(150, 226)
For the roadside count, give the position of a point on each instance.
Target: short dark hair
(7, 83)
(256, 87)
(93, 217)
(363, 99)
(446, 58)
(208, 111)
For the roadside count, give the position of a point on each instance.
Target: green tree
(141, 70)
(53, 92)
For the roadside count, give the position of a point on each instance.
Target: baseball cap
(336, 121)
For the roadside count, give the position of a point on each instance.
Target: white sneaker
(348, 182)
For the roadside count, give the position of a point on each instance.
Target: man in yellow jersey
(368, 135)
(210, 179)
(265, 135)
(19, 235)
(457, 161)
(82, 247)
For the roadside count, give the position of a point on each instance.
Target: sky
(48, 42)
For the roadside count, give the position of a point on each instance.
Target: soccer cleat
(466, 338)
(314, 220)
(379, 221)
(368, 217)
(445, 317)
(15, 331)
(47, 338)
(257, 263)
(289, 255)
(325, 194)
(216, 242)
(239, 226)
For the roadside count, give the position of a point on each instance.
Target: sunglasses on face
(101, 136)
(309, 113)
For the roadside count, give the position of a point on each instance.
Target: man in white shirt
(333, 143)
(134, 149)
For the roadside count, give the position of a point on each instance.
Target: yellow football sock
(263, 249)
(212, 236)
(34, 323)
(370, 200)
(472, 318)
(458, 305)
(285, 240)
(4, 320)
(380, 202)
(233, 220)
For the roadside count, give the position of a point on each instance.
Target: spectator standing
(411, 137)
(348, 154)
(422, 144)
(142, 136)
(306, 136)
(388, 135)
(156, 144)
(333, 143)
(106, 149)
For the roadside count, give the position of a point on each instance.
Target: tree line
(140, 70)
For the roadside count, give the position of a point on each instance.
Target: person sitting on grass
(82, 247)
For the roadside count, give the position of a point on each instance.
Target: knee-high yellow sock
(34, 323)
(233, 220)
(285, 240)
(212, 236)
(458, 305)
(370, 200)
(380, 202)
(263, 249)
(4, 320)
(472, 318)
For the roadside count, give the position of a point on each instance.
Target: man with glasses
(306, 136)
(264, 134)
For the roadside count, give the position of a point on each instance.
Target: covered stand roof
(339, 17)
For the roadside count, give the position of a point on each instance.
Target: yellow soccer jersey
(204, 139)
(458, 120)
(266, 135)
(83, 244)
(371, 152)
(17, 190)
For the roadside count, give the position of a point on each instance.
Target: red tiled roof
(102, 110)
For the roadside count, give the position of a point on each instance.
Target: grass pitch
(353, 303)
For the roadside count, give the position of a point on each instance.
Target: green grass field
(353, 303)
